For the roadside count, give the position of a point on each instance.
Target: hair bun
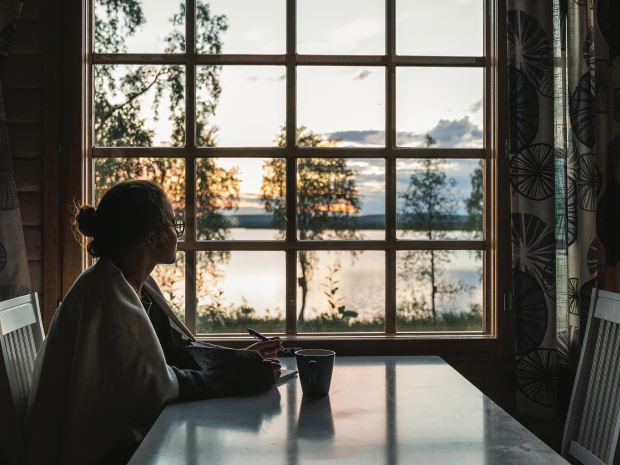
(87, 220)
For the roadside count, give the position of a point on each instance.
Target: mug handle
(312, 366)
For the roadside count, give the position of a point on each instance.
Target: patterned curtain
(14, 273)
(564, 101)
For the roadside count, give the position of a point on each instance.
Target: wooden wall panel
(28, 174)
(23, 72)
(22, 89)
(36, 276)
(32, 9)
(28, 37)
(25, 138)
(23, 105)
(33, 235)
(31, 205)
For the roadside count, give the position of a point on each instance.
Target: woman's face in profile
(169, 238)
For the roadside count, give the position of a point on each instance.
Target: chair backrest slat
(607, 307)
(21, 336)
(588, 418)
(593, 423)
(17, 317)
(17, 387)
(596, 445)
(609, 406)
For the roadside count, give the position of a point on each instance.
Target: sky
(340, 103)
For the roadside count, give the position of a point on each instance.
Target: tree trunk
(433, 290)
(304, 293)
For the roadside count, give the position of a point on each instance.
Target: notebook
(285, 375)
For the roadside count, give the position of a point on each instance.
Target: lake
(257, 279)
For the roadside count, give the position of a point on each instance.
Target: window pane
(150, 26)
(340, 198)
(169, 173)
(439, 199)
(340, 291)
(343, 105)
(249, 112)
(457, 300)
(341, 27)
(139, 106)
(444, 103)
(240, 198)
(171, 281)
(239, 290)
(247, 27)
(440, 27)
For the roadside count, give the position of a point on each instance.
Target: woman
(116, 353)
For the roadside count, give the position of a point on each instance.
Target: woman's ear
(150, 240)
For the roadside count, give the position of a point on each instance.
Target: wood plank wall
(22, 86)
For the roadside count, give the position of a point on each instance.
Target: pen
(258, 335)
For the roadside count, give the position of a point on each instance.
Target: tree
(117, 97)
(327, 200)
(430, 207)
(474, 204)
(118, 103)
(475, 209)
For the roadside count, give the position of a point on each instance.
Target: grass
(214, 320)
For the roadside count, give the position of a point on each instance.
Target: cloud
(363, 75)
(474, 107)
(460, 133)
(256, 78)
(457, 133)
(370, 137)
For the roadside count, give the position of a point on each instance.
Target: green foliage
(217, 318)
(336, 311)
(119, 90)
(447, 321)
(474, 204)
(430, 204)
(429, 207)
(115, 20)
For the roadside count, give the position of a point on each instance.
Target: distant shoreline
(368, 222)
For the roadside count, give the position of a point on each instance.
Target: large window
(369, 216)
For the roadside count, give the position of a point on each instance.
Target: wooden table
(381, 410)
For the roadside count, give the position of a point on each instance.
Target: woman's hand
(267, 349)
(275, 364)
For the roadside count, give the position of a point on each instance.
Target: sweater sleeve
(239, 378)
(196, 383)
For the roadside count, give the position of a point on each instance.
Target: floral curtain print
(564, 102)
(14, 273)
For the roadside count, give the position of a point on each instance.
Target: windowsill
(449, 346)
(348, 336)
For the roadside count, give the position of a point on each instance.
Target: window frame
(496, 199)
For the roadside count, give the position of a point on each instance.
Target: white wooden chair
(21, 336)
(593, 422)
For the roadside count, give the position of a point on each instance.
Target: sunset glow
(341, 206)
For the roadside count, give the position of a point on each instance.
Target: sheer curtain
(564, 100)
(14, 273)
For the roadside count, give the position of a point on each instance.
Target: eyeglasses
(179, 227)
